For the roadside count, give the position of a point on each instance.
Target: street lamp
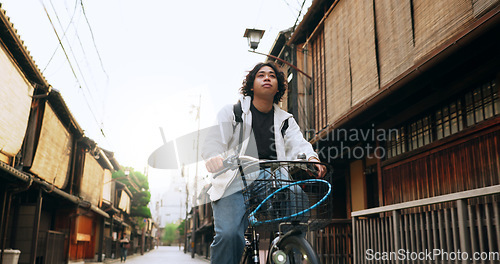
(254, 36)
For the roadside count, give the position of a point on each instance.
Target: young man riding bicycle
(265, 131)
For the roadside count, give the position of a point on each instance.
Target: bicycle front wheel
(297, 250)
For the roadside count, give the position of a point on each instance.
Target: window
(397, 143)
(473, 107)
(482, 103)
(420, 133)
(449, 119)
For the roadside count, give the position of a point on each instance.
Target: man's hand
(320, 168)
(214, 164)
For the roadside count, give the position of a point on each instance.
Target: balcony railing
(462, 227)
(333, 244)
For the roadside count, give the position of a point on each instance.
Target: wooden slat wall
(351, 62)
(368, 44)
(334, 244)
(437, 21)
(52, 157)
(338, 79)
(15, 97)
(319, 81)
(481, 6)
(92, 179)
(362, 53)
(469, 165)
(304, 118)
(395, 38)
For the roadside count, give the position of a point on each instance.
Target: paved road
(165, 255)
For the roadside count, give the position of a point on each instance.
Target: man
(262, 125)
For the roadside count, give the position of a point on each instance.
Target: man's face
(265, 85)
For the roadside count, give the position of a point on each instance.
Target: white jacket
(223, 141)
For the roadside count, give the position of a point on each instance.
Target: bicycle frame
(251, 247)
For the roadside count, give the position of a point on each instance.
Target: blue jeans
(230, 223)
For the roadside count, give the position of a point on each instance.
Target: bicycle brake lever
(301, 156)
(228, 164)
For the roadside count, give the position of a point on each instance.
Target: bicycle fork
(251, 252)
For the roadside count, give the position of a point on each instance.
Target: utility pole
(187, 210)
(195, 200)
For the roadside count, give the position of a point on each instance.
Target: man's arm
(217, 141)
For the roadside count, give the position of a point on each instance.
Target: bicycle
(283, 196)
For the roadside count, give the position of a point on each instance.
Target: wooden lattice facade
(429, 71)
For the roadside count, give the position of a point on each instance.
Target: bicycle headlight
(279, 257)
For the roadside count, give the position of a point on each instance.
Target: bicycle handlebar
(233, 161)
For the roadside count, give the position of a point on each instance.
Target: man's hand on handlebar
(320, 168)
(214, 164)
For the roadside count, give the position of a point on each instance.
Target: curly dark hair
(246, 89)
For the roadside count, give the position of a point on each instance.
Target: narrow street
(164, 255)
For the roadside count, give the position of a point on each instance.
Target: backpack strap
(238, 112)
(284, 128)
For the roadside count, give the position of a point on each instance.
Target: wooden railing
(462, 227)
(333, 244)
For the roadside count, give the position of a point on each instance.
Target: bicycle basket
(285, 192)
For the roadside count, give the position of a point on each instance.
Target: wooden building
(58, 203)
(402, 99)
(404, 103)
(201, 225)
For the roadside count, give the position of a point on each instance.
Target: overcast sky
(136, 66)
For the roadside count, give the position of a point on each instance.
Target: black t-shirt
(262, 136)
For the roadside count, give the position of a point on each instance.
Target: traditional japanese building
(55, 203)
(404, 103)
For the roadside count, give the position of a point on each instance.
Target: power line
(290, 7)
(60, 43)
(83, 51)
(70, 65)
(97, 52)
(74, 57)
(93, 39)
(300, 12)
(64, 35)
